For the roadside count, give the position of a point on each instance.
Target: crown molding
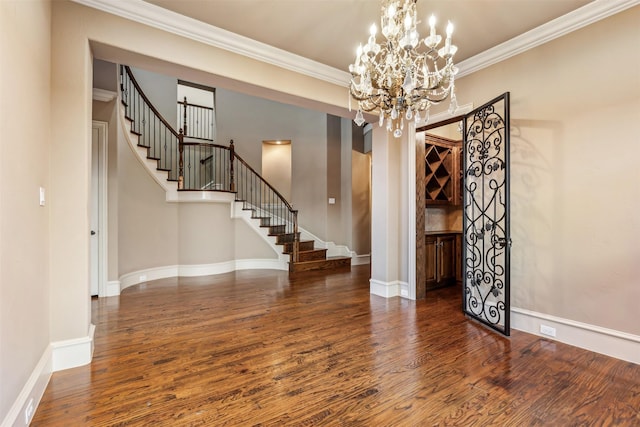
(103, 95)
(166, 20)
(579, 18)
(172, 22)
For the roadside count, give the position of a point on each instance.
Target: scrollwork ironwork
(486, 215)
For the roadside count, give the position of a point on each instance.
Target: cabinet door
(431, 261)
(447, 253)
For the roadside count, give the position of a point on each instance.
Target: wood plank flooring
(257, 348)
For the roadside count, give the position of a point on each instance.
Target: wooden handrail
(149, 104)
(193, 105)
(205, 144)
(241, 160)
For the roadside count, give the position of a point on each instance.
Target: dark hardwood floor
(256, 348)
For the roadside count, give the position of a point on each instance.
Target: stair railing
(197, 120)
(260, 196)
(206, 166)
(162, 141)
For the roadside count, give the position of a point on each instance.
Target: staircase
(195, 165)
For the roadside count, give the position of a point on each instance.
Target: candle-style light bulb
(373, 29)
(447, 42)
(432, 24)
(407, 21)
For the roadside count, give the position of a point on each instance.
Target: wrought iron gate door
(486, 242)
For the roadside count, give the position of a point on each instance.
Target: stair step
(135, 133)
(164, 169)
(333, 263)
(275, 230)
(152, 158)
(265, 221)
(303, 245)
(312, 255)
(285, 238)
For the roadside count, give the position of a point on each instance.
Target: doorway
(479, 172)
(98, 231)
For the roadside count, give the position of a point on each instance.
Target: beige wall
(24, 167)
(333, 179)
(147, 224)
(575, 192)
(361, 202)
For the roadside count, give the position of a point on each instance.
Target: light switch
(332, 201)
(41, 196)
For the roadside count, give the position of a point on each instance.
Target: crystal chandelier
(397, 79)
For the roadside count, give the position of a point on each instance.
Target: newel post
(181, 161)
(296, 239)
(232, 155)
(184, 117)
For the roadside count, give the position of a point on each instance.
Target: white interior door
(95, 211)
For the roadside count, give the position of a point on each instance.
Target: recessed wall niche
(276, 165)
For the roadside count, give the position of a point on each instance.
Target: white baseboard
(620, 345)
(113, 288)
(360, 259)
(194, 270)
(385, 289)
(31, 393)
(72, 353)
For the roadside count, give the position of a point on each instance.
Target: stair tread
(319, 261)
(327, 264)
(307, 251)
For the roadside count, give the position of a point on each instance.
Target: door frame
(102, 128)
(416, 250)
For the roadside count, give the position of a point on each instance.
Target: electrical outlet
(143, 277)
(28, 412)
(404, 292)
(547, 330)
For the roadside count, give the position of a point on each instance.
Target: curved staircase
(192, 165)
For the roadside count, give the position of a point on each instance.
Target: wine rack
(441, 171)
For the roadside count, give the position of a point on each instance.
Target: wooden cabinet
(442, 171)
(442, 263)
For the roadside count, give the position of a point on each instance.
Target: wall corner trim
(74, 352)
(33, 389)
(609, 342)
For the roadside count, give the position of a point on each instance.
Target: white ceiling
(329, 31)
